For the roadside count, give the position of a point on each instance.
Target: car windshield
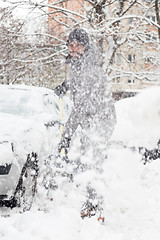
(18, 102)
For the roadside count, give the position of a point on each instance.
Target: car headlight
(6, 157)
(4, 169)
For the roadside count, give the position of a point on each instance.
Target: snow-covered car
(30, 130)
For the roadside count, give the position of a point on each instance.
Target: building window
(152, 18)
(148, 59)
(116, 80)
(131, 81)
(154, 38)
(150, 37)
(130, 20)
(131, 58)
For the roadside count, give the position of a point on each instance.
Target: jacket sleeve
(74, 120)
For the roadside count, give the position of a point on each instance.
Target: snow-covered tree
(126, 31)
(27, 54)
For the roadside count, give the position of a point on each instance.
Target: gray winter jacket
(89, 91)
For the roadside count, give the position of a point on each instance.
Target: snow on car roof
(24, 87)
(22, 99)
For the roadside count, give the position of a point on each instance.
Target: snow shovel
(61, 119)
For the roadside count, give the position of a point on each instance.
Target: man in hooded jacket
(93, 108)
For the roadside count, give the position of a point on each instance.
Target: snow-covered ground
(132, 190)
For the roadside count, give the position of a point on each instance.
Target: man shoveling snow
(93, 111)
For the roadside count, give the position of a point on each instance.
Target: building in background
(135, 64)
(60, 21)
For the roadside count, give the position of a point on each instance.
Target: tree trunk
(157, 17)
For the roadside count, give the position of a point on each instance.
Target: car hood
(26, 134)
(12, 125)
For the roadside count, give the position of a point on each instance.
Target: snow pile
(132, 207)
(132, 193)
(138, 119)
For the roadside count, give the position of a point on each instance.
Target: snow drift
(132, 191)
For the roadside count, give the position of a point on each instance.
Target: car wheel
(27, 185)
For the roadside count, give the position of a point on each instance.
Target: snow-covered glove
(64, 144)
(63, 160)
(61, 89)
